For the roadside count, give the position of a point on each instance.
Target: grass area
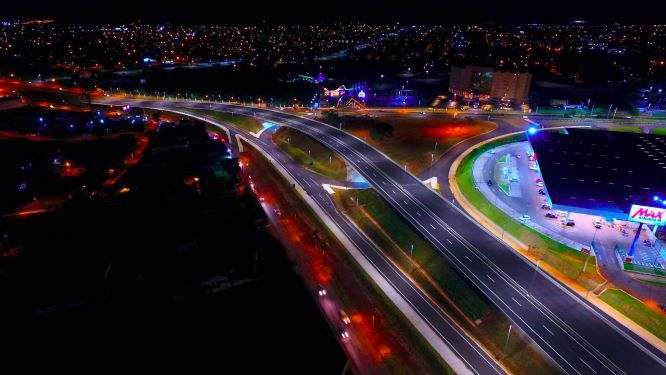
(411, 139)
(310, 153)
(659, 131)
(502, 160)
(645, 316)
(248, 123)
(643, 269)
(429, 269)
(506, 188)
(626, 129)
(661, 284)
(356, 282)
(563, 258)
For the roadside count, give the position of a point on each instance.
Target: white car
(524, 217)
(597, 223)
(539, 184)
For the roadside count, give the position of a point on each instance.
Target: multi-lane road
(580, 338)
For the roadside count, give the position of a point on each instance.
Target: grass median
(646, 316)
(310, 153)
(355, 289)
(426, 266)
(569, 262)
(248, 123)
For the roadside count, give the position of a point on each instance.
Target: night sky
(313, 11)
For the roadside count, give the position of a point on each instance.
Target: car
(534, 167)
(344, 317)
(490, 183)
(597, 223)
(539, 184)
(320, 291)
(542, 192)
(539, 180)
(530, 158)
(524, 217)
(545, 207)
(343, 333)
(569, 223)
(551, 215)
(491, 151)
(277, 212)
(663, 307)
(261, 198)
(561, 213)
(518, 156)
(514, 179)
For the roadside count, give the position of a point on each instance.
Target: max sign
(647, 215)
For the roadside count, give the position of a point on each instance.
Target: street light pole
(506, 344)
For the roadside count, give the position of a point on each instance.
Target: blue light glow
(532, 130)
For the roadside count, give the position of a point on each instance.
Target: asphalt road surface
(580, 338)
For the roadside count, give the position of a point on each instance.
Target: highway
(475, 359)
(580, 338)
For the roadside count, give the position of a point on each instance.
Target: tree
(331, 117)
(381, 130)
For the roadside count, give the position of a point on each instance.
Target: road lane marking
(514, 300)
(549, 331)
(449, 241)
(588, 366)
(491, 279)
(470, 259)
(433, 227)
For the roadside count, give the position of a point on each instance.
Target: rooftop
(601, 170)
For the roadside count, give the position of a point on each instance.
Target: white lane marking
(418, 214)
(449, 241)
(433, 227)
(549, 331)
(393, 192)
(405, 202)
(470, 259)
(491, 279)
(383, 183)
(514, 300)
(588, 366)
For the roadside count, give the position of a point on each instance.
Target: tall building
(487, 84)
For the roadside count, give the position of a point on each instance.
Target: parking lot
(510, 180)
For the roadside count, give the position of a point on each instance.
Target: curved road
(580, 338)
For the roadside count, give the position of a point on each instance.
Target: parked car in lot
(569, 223)
(551, 215)
(597, 223)
(542, 192)
(539, 184)
(524, 217)
(545, 207)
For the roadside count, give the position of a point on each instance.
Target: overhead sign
(647, 215)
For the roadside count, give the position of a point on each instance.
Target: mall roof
(601, 170)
